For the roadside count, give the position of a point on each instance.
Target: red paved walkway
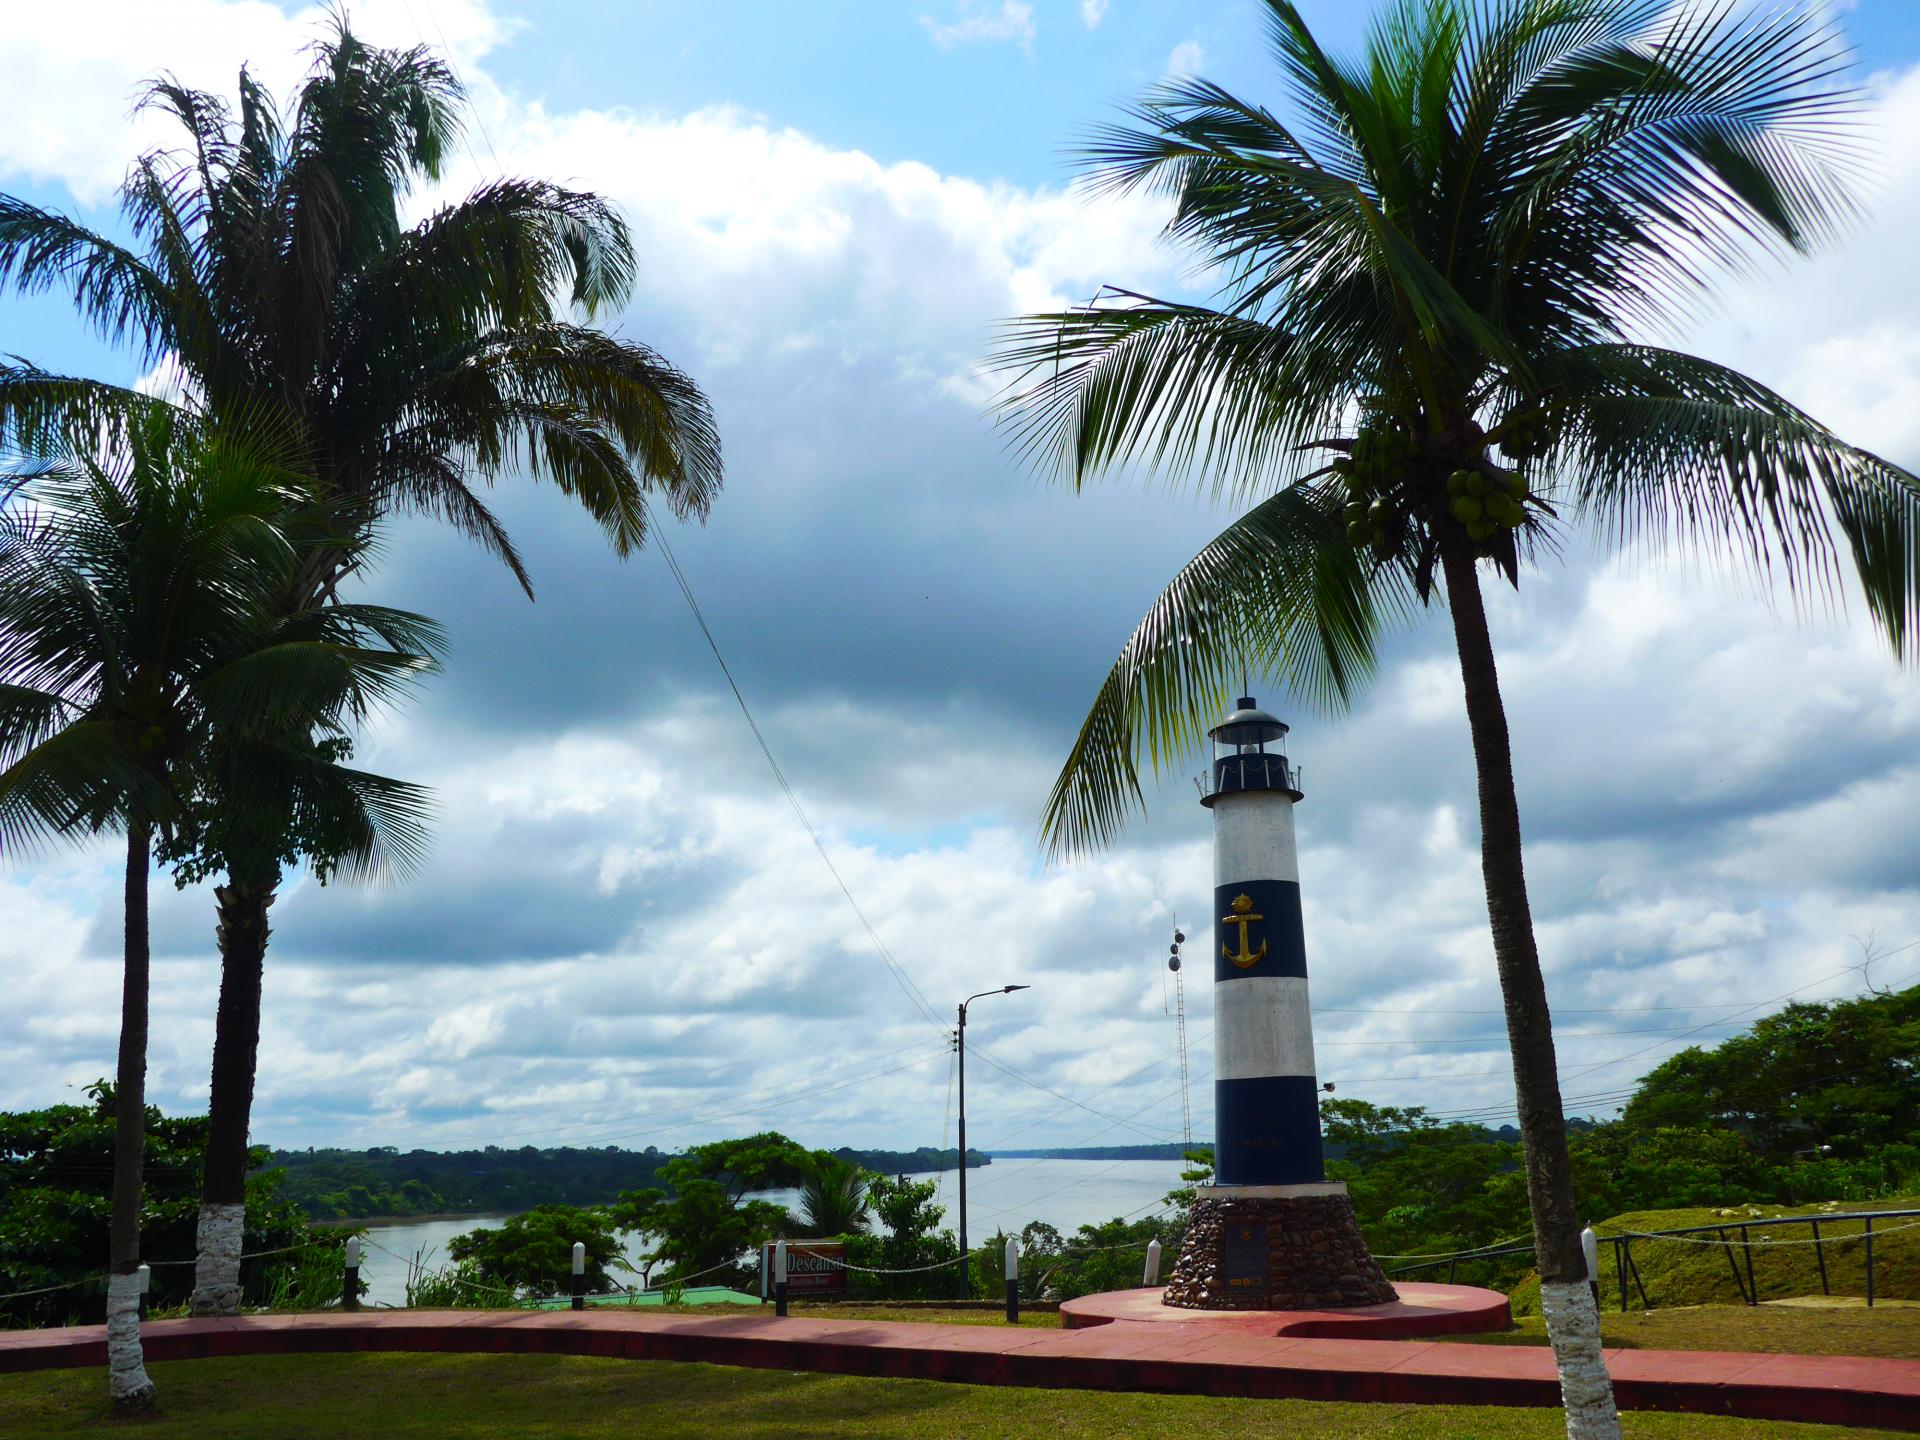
(1108, 1357)
(1421, 1311)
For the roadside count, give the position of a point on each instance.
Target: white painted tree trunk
(1573, 1326)
(216, 1272)
(127, 1380)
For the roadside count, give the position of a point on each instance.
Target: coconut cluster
(1485, 503)
(1376, 465)
(1389, 478)
(1525, 435)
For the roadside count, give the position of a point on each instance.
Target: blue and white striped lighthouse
(1271, 1232)
(1266, 1096)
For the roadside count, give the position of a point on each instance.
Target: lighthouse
(1265, 1095)
(1271, 1232)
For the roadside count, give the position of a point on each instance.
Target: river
(1006, 1194)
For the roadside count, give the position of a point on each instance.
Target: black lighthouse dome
(1249, 753)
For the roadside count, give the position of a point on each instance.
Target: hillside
(1685, 1272)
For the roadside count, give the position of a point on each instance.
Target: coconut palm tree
(270, 266)
(833, 1200)
(143, 643)
(1425, 359)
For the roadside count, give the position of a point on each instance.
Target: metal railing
(1730, 1235)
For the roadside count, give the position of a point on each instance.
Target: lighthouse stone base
(1275, 1247)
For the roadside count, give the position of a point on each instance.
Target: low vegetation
(487, 1397)
(1692, 1271)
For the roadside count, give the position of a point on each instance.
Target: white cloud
(1186, 58)
(1092, 12)
(979, 20)
(75, 70)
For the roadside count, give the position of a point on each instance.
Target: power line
(900, 976)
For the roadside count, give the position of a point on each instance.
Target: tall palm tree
(142, 640)
(271, 267)
(1422, 359)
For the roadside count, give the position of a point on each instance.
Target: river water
(1004, 1195)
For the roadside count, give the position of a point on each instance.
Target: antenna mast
(1180, 1010)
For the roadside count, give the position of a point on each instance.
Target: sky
(624, 934)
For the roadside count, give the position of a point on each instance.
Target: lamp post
(960, 1041)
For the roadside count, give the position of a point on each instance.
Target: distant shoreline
(381, 1222)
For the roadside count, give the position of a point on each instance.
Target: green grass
(1684, 1272)
(1893, 1333)
(546, 1397)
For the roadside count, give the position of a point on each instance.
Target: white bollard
(350, 1280)
(1151, 1275)
(146, 1283)
(1013, 1281)
(780, 1278)
(1590, 1247)
(579, 1276)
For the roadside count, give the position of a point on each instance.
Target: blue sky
(623, 925)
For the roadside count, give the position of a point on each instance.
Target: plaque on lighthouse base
(1275, 1247)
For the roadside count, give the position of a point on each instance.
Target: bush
(532, 1254)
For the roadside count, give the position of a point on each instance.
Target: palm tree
(833, 1200)
(1436, 279)
(142, 639)
(270, 268)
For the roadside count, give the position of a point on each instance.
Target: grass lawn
(493, 1397)
(1889, 1332)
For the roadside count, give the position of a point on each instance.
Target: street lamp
(960, 1042)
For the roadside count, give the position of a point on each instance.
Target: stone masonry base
(1265, 1249)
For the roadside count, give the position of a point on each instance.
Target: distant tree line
(334, 1184)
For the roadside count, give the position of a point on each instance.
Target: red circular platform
(1421, 1310)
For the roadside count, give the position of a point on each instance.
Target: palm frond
(1279, 593)
(78, 780)
(1177, 388)
(1682, 451)
(112, 288)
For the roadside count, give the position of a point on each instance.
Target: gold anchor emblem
(1242, 905)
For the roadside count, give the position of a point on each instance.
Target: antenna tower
(1180, 1011)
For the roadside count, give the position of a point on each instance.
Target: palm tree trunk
(1573, 1322)
(127, 1380)
(242, 935)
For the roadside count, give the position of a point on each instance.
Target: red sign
(814, 1267)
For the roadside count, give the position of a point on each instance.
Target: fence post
(1820, 1254)
(780, 1279)
(1151, 1275)
(350, 1276)
(579, 1276)
(146, 1283)
(1013, 1281)
(1869, 1262)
